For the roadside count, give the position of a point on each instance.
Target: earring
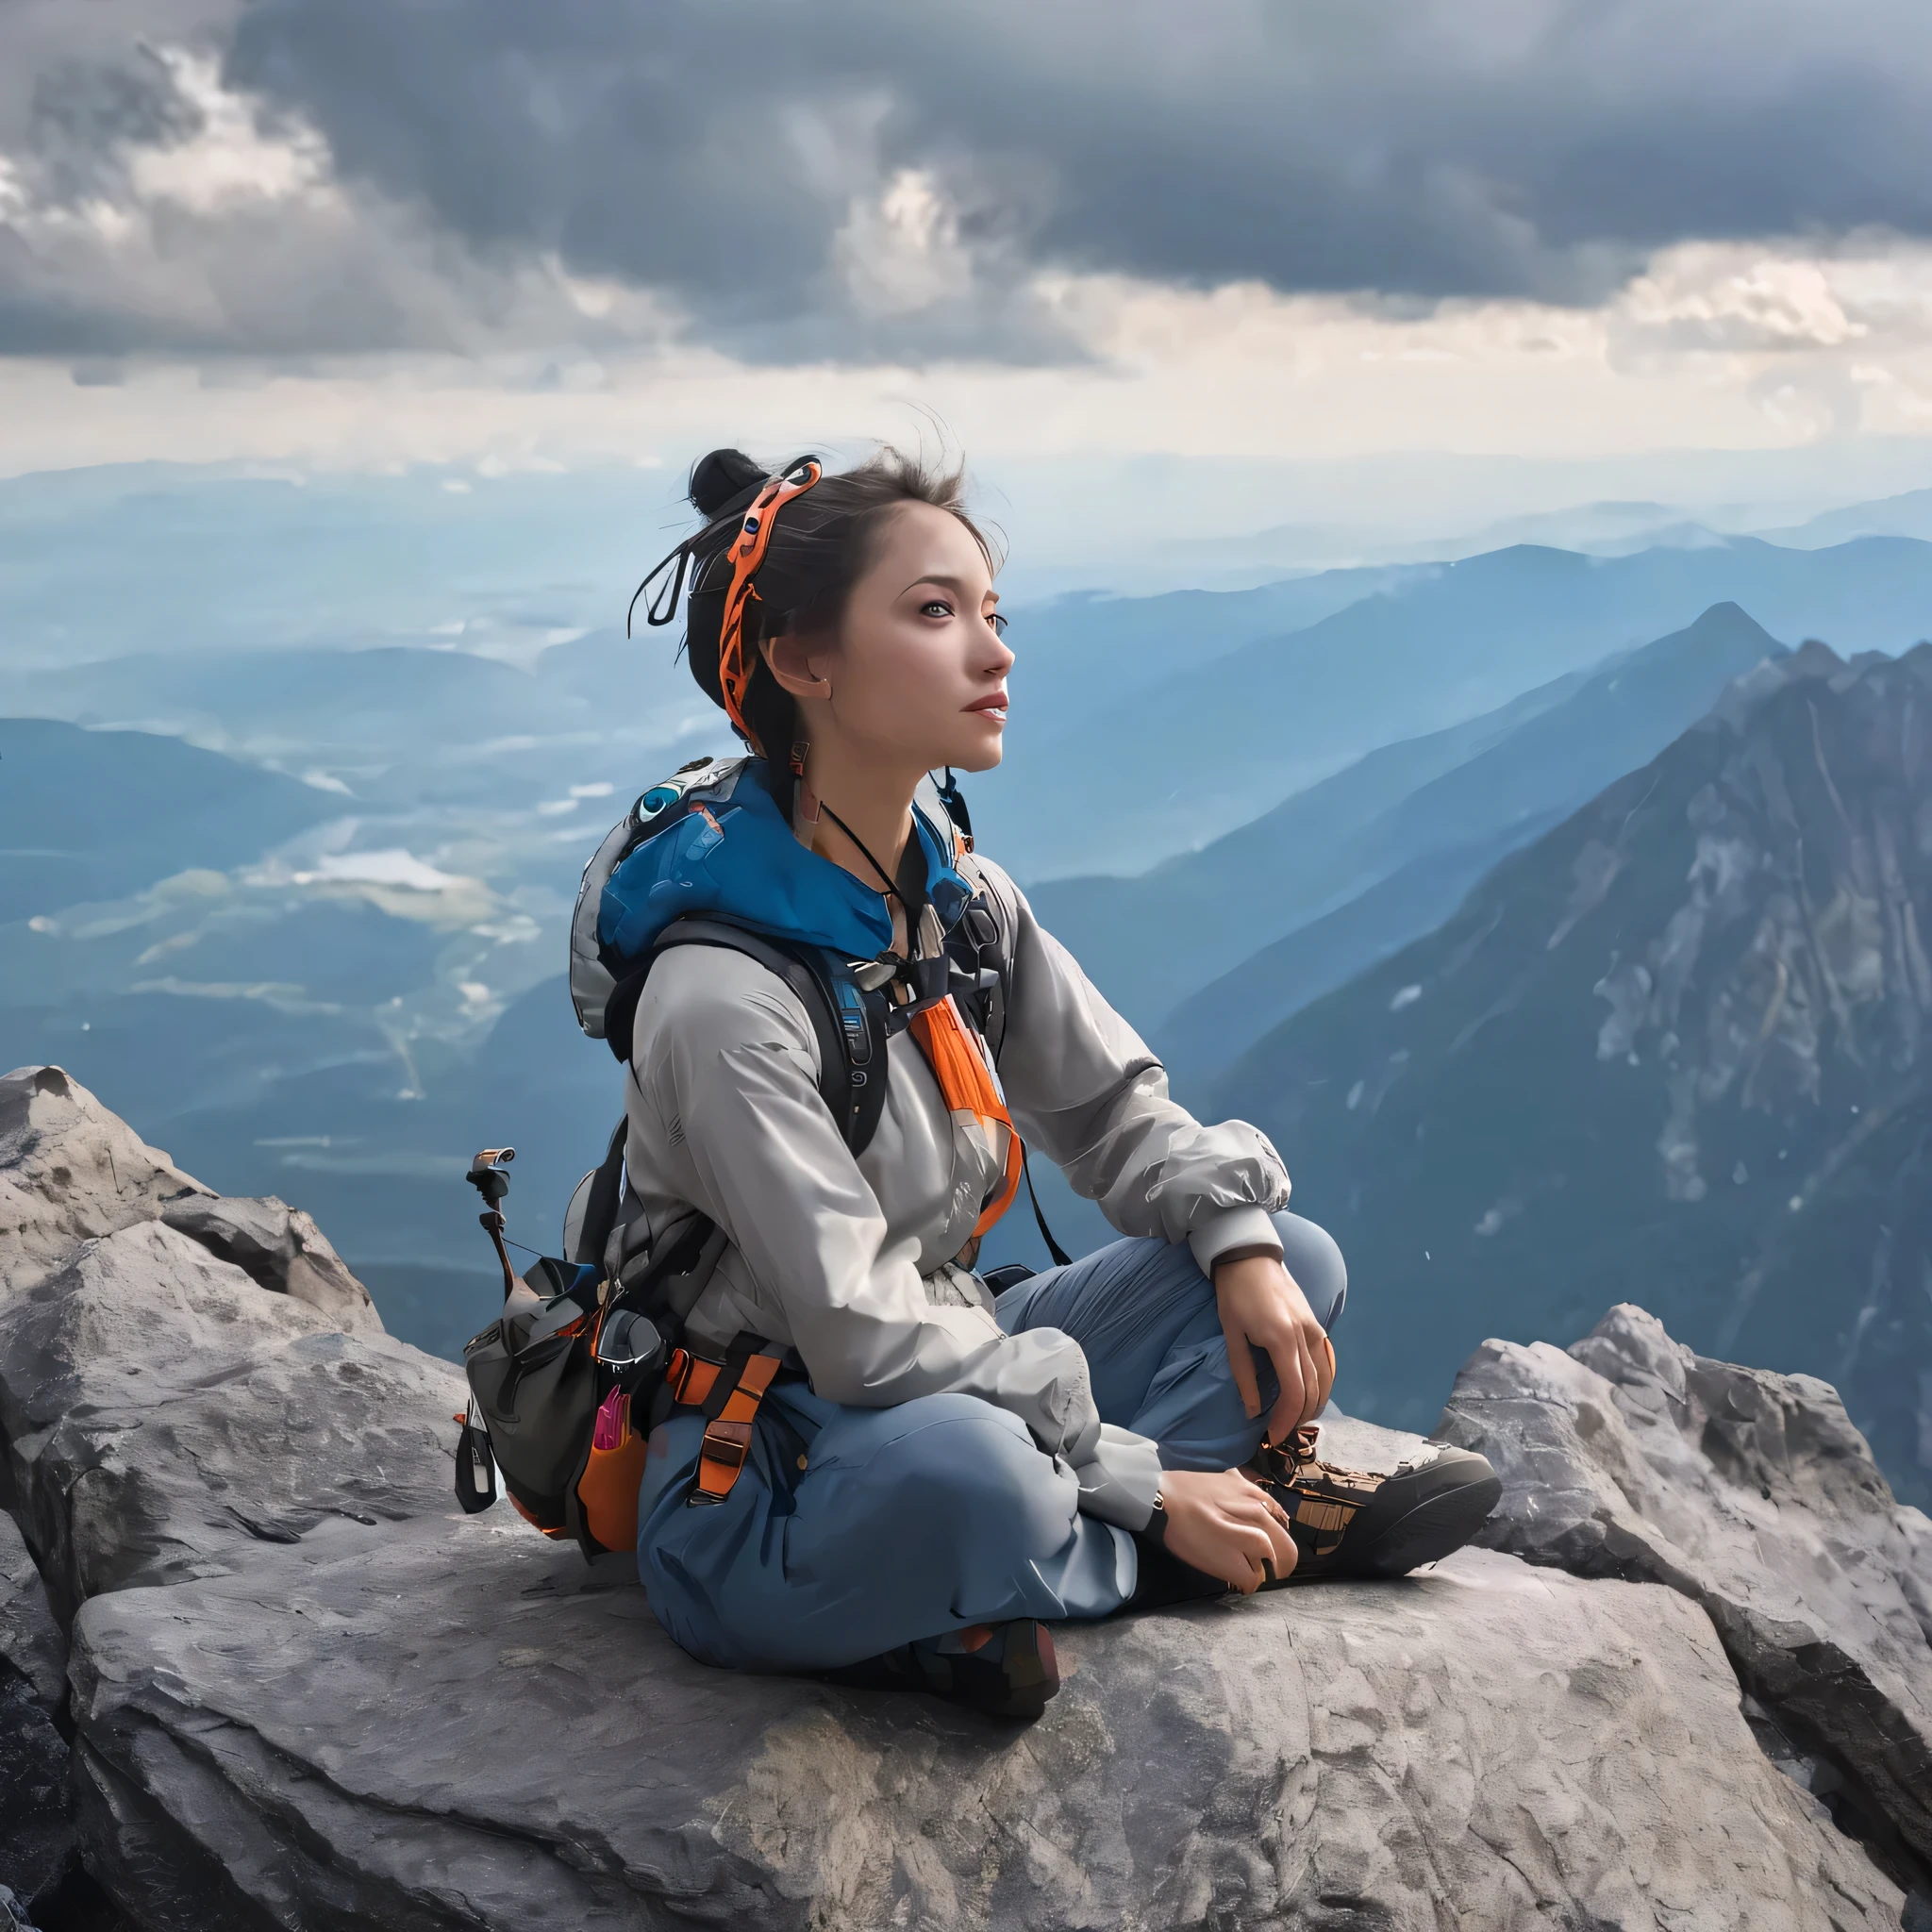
(798, 752)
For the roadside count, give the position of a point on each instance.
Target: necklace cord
(864, 851)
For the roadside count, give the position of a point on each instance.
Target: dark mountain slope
(90, 815)
(1675, 1052)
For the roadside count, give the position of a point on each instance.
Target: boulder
(161, 1417)
(278, 1248)
(1751, 1493)
(455, 1723)
(69, 1172)
(37, 1836)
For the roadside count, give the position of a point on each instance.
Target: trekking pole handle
(487, 1176)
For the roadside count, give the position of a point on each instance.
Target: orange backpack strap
(728, 1393)
(966, 1084)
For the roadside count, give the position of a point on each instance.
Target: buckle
(728, 1444)
(691, 1377)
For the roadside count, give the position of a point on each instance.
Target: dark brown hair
(821, 545)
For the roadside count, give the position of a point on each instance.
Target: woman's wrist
(1254, 1251)
(1154, 1529)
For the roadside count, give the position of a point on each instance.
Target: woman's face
(916, 676)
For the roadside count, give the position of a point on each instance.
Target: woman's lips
(995, 703)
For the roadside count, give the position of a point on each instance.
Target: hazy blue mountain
(1908, 515)
(1074, 648)
(1602, 529)
(1128, 782)
(1151, 941)
(93, 815)
(1206, 1032)
(1674, 1051)
(1182, 936)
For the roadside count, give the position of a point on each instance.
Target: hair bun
(718, 477)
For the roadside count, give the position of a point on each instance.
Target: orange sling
(966, 1084)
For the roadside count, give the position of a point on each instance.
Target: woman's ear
(793, 661)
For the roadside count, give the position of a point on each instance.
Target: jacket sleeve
(732, 1074)
(1084, 1088)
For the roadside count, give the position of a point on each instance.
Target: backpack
(588, 1353)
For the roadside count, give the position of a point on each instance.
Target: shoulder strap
(848, 1022)
(607, 1195)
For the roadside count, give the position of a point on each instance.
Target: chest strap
(728, 1393)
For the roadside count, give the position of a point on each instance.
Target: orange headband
(747, 553)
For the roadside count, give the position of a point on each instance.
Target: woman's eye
(935, 604)
(998, 623)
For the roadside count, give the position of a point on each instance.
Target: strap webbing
(728, 1393)
(606, 1192)
(1059, 1255)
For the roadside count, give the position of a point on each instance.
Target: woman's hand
(1262, 1307)
(1223, 1524)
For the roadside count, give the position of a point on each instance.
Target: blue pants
(853, 1530)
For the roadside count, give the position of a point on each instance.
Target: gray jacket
(851, 1261)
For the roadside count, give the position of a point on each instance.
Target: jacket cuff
(1122, 1480)
(1229, 1228)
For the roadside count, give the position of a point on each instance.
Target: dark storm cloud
(867, 178)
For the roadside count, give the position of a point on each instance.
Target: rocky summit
(256, 1670)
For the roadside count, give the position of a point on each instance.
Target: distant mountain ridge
(1164, 945)
(1681, 1045)
(1176, 763)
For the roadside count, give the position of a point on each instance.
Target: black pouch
(535, 1385)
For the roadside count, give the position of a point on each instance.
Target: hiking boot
(1353, 1522)
(1004, 1670)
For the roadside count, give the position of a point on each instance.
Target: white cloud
(231, 159)
(899, 251)
(228, 229)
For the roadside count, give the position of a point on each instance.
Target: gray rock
(351, 1705)
(1747, 1491)
(162, 1418)
(456, 1724)
(280, 1249)
(36, 1826)
(31, 1646)
(70, 1170)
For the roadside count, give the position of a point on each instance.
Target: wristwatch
(1156, 1530)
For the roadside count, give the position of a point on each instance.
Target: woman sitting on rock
(936, 1473)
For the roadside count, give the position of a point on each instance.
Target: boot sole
(1430, 1531)
(1442, 1521)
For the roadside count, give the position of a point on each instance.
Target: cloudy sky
(1305, 234)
